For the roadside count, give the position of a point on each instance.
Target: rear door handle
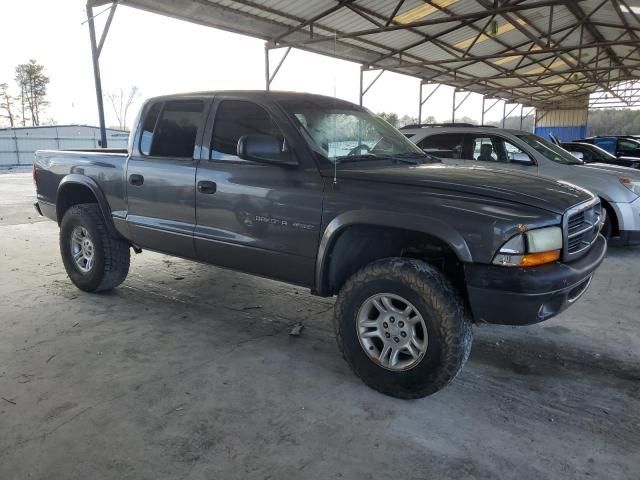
(136, 179)
(206, 187)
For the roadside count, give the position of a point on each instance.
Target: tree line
(27, 105)
(609, 121)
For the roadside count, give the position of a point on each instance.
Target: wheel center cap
(394, 329)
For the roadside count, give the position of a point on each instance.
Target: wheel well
(359, 245)
(73, 194)
(615, 228)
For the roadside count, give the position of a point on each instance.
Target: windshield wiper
(412, 158)
(355, 158)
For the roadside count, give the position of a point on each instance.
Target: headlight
(632, 185)
(535, 247)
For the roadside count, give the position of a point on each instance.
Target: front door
(160, 177)
(260, 218)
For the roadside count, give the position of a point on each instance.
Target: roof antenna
(335, 160)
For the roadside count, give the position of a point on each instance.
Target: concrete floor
(188, 371)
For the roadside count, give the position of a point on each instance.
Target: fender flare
(419, 223)
(92, 185)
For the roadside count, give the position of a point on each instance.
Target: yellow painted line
(422, 11)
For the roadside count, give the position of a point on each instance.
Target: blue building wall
(564, 133)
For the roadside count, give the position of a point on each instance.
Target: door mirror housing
(262, 148)
(522, 158)
(578, 155)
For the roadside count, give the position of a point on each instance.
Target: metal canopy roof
(535, 52)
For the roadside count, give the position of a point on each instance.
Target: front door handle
(206, 187)
(136, 179)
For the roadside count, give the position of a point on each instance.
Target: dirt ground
(189, 372)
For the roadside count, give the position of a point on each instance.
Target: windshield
(346, 133)
(550, 150)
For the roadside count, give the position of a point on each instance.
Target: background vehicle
(590, 153)
(618, 145)
(515, 150)
(318, 192)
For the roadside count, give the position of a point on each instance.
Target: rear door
(161, 176)
(259, 218)
(628, 147)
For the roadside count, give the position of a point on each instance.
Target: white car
(618, 187)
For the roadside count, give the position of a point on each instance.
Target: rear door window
(234, 119)
(627, 145)
(445, 145)
(485, 148)
(176, 130)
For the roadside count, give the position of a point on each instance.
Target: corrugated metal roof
(519, 51)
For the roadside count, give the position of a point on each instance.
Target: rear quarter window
(445, 145)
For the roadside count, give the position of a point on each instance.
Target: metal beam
(486, 110)
(96, 75)
(107, 25)
(423, 101)
(269, 77)
(456, 106)
(438, 21)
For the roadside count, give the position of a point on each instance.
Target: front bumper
(522, 296)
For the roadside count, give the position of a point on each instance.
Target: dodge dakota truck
(318, 192)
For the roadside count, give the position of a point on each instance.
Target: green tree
(7, 105)
(614, 121)
(32, 83)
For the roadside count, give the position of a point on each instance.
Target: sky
(161, 55)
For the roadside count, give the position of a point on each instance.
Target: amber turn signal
(539, 258)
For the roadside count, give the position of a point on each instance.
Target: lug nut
(392, 319)
(396, 339)
(385, 325)
(403, 334)
(387, 334)
(401, 324)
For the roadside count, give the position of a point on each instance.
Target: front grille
(581, 228)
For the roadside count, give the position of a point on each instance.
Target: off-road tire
(112, 255)
(448, 326)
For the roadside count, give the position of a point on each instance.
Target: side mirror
(578, 155)
(265, 149)
(519, 157)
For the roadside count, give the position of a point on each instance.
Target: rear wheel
(94, 260)
(402, 328)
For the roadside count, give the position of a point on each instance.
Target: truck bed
(104, 166)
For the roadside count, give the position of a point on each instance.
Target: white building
(17, 145)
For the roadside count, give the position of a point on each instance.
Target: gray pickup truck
(318, 192)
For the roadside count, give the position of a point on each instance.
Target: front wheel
(94, 260)
(402, 328)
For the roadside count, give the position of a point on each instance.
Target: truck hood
(554, 196)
